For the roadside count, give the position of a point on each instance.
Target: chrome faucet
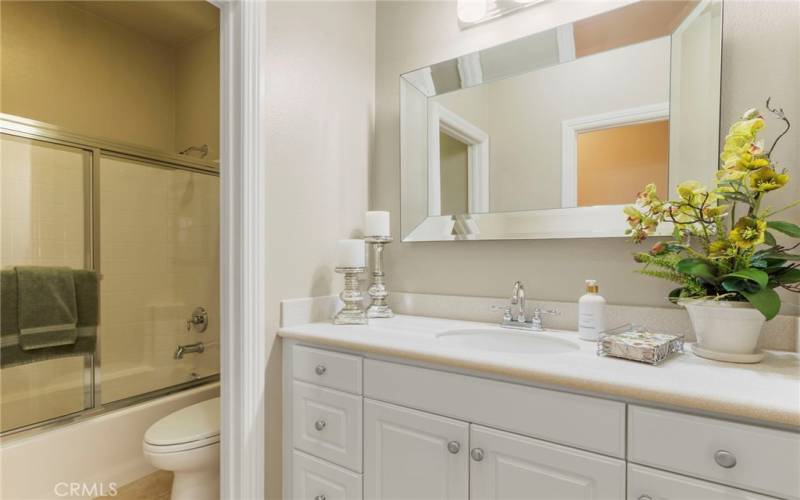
(189, 348)
(518, 299)
(520, 321)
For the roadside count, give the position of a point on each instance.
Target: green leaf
(791, 275)
(779, 256)
(769, 239)
(739, 285)
(760, 277)
(697, 267)
(765, 300)
(787, 228)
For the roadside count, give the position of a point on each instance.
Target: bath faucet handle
(506, 312)
(536, 317)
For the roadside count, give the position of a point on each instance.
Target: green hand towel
(48, 310)
(9, 324)
(87, 293)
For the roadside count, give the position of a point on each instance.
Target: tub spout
(189, 348)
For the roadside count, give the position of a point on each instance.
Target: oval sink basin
(510, 341)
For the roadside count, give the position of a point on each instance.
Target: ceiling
(170, 22)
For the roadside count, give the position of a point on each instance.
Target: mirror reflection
(579, 116)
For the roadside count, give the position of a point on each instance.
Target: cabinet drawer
(315, 479)
(327, 424)
(745, 456)
(581, 421)
(327, 368)
(644, 483)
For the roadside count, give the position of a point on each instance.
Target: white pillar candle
(350, 253)
(377, 224)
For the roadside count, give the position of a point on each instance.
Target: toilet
(187, 443)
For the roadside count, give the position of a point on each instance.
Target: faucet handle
(506, 311)
(538, 312)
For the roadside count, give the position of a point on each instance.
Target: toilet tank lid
(193, 423)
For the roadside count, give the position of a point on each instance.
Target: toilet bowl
(187, 443)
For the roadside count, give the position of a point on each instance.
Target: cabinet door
(507, 466)
(411, 455)
(651, 484)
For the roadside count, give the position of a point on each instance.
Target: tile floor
(155, 486)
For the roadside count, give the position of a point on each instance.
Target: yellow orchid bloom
(748, 232)
(767, 179)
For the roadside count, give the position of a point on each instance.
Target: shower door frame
(92, 363)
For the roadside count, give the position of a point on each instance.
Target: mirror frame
(606, 221)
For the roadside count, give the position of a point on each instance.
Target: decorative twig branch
(782, 116)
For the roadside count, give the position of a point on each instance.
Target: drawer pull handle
(319, 497)
(476, 454)
(645, 497)
(320, 424)
(453, 447)
(320, 370)
(725, 459)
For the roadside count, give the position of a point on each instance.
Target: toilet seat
(175, 448)
(189, 428)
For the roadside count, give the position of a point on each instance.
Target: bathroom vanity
(407, 408)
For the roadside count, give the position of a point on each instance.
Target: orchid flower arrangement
(723, 244)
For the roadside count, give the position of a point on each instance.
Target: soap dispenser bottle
(591, 312)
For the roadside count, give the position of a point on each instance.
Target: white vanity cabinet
(361, 428)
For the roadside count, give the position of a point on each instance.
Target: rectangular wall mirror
(548, 136)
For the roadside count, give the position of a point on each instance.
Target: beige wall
(197, 93)
(415, 34)
(319, 128)
(68, 67)
(63, 65)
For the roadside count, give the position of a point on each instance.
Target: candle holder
(353, 311)
(378, 308)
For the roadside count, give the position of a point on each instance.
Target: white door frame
(243, 349)
(569, 140)
(477, 141)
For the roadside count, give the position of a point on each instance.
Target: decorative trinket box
(636, 343)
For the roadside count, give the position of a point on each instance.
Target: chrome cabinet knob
(320, 424)
(320, 369)
(453, 447)
(476, 454)
(725, 459)
(319, 497)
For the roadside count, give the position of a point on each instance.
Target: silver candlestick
(353, 311)
(378, 308)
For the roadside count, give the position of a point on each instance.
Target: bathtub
(90, 458)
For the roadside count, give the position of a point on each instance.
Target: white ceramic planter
(726, 331)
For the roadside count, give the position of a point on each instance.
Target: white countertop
(768, 391)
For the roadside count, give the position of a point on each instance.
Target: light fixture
(473, 12)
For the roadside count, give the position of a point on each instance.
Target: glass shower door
(44, 221)
(159, 255)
